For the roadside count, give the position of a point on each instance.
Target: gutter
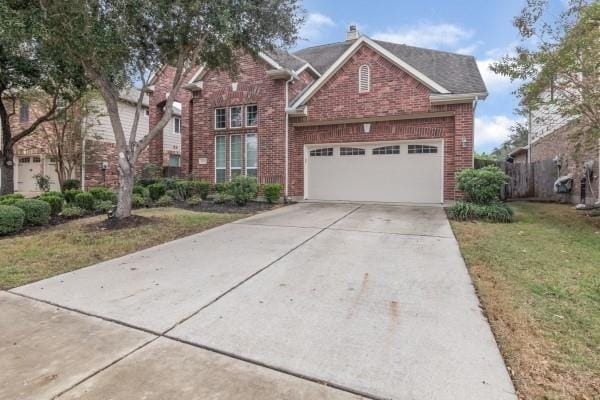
(436, 98)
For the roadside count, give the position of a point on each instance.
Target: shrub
(147, 181)
(482, 186)
(103, 194)
(182, 190)
(73, 212)
(272, 192)
(11, 219)
(223, 198)
(58, 194)
(141, 190)
(37, 212)
(243, 189)
(221, 187)
(10, 199)
(171, 193)
(84, 200)
(164, 201)
(70, 195)
(69, 184)
(156, 191)
(152, 171)
(138, 201)
(42, 182)
(194, 201)
(493, 212)
(201, 188)
(55, 202)
(170, 183)
(103, 206)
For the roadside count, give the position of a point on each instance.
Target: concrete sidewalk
(307, 301)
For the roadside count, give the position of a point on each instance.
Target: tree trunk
(126, 177)
(7, 178)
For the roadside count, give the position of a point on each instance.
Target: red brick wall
(305, 78)
(393, 92)
(254, 87)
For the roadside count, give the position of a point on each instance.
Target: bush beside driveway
(539, 282)
(41, 254)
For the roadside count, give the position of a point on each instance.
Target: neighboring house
(519, 155)
(358, 120)
(98, 164)
(554, 137)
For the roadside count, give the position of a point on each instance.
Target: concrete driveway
(334, 301)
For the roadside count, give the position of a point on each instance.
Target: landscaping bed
(39, 254)
(538, 280)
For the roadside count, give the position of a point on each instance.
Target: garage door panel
(403, 177)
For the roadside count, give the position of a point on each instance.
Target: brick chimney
(352, 33)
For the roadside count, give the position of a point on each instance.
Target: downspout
(83, 164)
(287, 150)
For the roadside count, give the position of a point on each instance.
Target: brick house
(358, 120)
(34, 154)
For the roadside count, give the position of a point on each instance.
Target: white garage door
(402, 172)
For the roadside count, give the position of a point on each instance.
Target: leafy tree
(119, 42)
(30, 69)
(517, 138)
(563, 59)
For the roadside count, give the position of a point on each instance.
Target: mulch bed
(133, 221)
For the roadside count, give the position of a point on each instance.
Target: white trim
(215, 117)
(216, 168)
(246, 153)
(270, 61)
(246, 116)
(349, 52)
(360, 78)
(230, 153)
(307, 66)
(436, 98)
(176, 117)
(241, 107)
(197, 74)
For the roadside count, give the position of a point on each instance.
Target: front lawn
(539, 282)
(51, 251)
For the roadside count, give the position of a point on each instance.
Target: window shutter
(364, 79)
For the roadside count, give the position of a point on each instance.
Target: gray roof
(132, 95)
(456, 72)
(286, 60)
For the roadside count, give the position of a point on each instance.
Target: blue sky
(480, 28)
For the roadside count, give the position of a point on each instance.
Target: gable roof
(455, 72)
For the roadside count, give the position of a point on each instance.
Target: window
(220, 154)
(252, 115)
(386, 150)
(251, 155)
(421, 149)
(174, 160)
(364, 79)
(352, 151)
(24, 160)
(220, 118)
(235, 115)
(146, 112)
(322, 152)
(36, 159)
(24, 112)
(235, 155)
(177, 125)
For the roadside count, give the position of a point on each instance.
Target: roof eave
(456, 98)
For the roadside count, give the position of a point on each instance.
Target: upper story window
(251, 115)
(220, 118)
(24, 112)
(177, 125)
(235, 117)
(364, 79)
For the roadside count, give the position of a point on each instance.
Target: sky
(482, 28)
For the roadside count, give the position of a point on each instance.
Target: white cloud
(314, 25)
(495, 83)
(428, 35)
(492, 131)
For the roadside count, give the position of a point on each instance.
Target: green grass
(51, 251)
(539, 282)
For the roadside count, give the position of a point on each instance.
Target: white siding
(102, 129)
(546, 119)
(171, 140)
